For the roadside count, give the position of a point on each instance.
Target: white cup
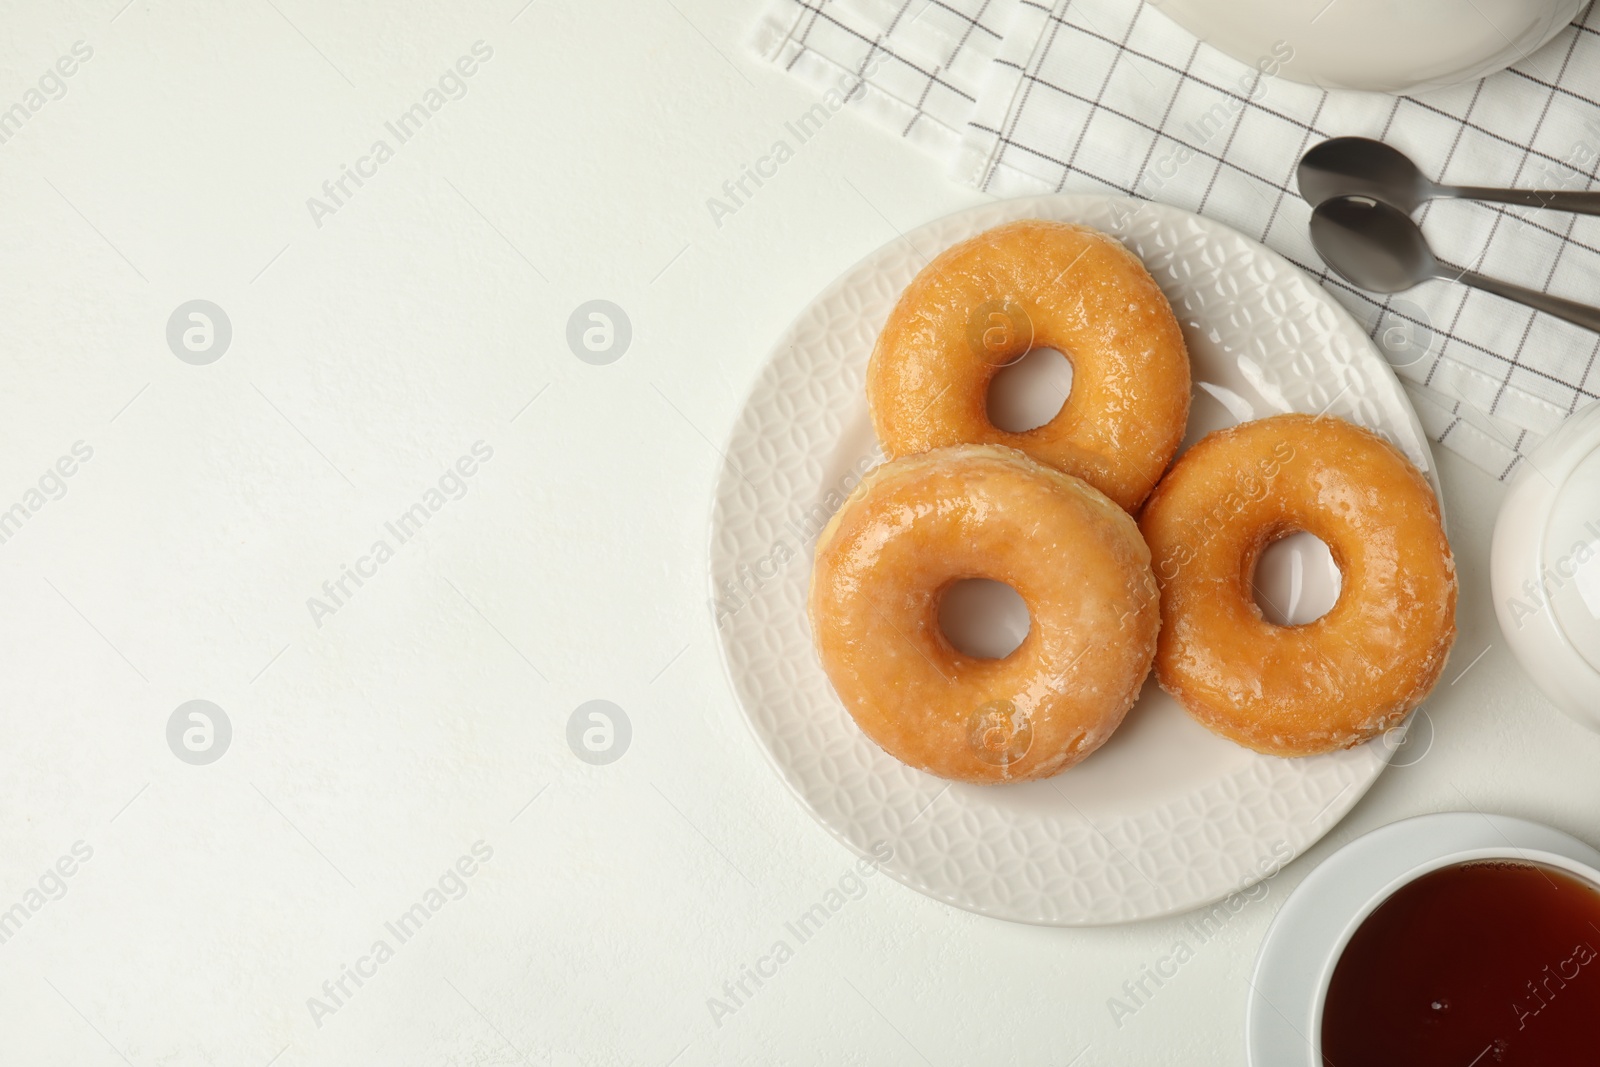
(1283, 1020)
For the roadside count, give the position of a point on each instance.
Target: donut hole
(1296, 580)
(1028, 392)
(983, 618)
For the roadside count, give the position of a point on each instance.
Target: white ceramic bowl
(1544, 567)
(1391, 46)
(1283, 1017)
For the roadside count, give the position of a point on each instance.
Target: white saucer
(1283, 1018)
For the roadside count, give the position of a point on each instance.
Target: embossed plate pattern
(1165, 817)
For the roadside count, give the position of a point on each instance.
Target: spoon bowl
(1371, 244)
(1359, 166)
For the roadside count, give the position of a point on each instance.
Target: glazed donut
(1340, 679)
(1035, 284)
(914, 527)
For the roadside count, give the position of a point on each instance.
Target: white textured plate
(1166, 816)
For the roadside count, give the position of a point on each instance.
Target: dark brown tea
(1483, 963)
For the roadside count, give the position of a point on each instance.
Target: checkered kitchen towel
(1022, 97)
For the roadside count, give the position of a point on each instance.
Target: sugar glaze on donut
(985, 302)
(917, 525)
(1338, 680)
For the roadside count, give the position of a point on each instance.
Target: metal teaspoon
(1377, 247)
(1359, 166)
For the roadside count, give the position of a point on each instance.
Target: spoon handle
(1580, 314)
(1576, 202)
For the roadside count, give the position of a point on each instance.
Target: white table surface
(421, 716)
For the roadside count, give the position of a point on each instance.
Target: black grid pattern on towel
(1117, 94)
(818, 27)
